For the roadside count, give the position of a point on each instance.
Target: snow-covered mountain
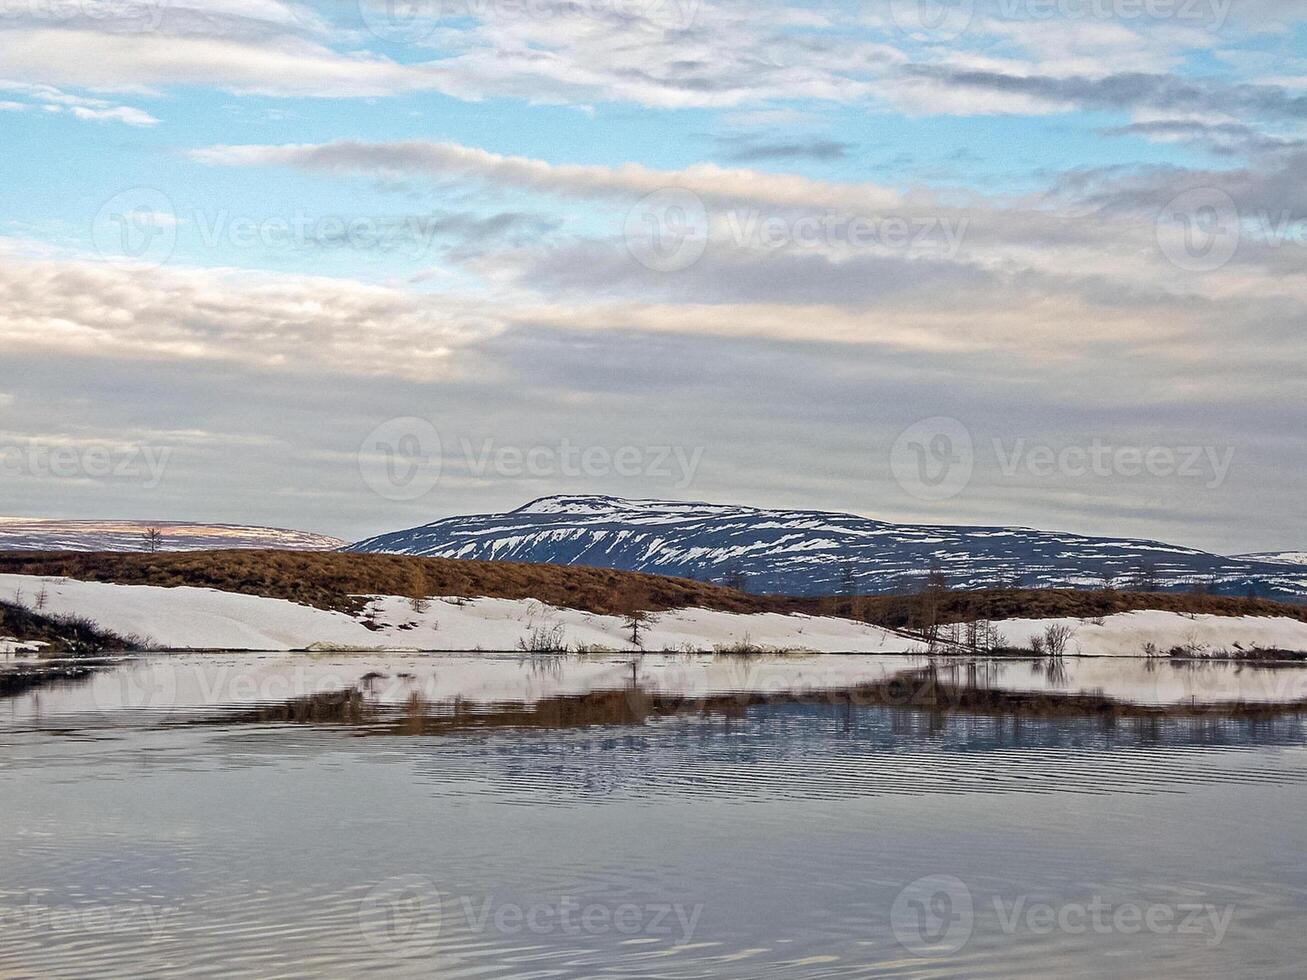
(817, 553)
(1279, 557)
(26, 534)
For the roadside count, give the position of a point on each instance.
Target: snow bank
(10, 645)
(207, 619)
(192, 618)
(1130, 634)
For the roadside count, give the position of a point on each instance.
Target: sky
(356, 266)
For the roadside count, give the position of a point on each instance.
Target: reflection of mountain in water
(808, 750)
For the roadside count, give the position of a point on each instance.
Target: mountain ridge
(811, 552)
(46, 534)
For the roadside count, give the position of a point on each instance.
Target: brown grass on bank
(334, 580)
(920, 610)
(61, 634)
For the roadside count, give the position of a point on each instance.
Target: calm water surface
(150, 825)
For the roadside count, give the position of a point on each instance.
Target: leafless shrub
(1056, 638)
(546, 638)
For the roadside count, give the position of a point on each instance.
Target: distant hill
(796, 552)
(26, 534)
(1279, 557)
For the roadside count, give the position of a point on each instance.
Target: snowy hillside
(192, 618)
(1279, 557)
(25, 534)
(815, 553)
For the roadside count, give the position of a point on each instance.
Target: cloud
(122, 114)
(1131, 90)
(283, 67)
(278, 323)
(52, 100)
(1227, 139)
(678, 54)
(452, 160)
(748, 150)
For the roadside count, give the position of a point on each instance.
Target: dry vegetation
(334, 580)
(923, 609)
(60, 634)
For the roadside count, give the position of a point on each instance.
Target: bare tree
(1056, 638)
(635, 621)
(736, 579)
(936, 580)
(417, 593)
(931, 601)
(848, 584)
(1148, 577)
(152, 538)
(636, 617)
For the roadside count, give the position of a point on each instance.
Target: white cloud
(55, 101)
(297, 324)
(453, 160)
(123, 114)
(284, 66)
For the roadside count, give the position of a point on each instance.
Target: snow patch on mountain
(27, 534)
(819, 553)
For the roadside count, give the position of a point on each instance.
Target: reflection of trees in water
(1054, 670)
(835, 751)
(544, 664)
